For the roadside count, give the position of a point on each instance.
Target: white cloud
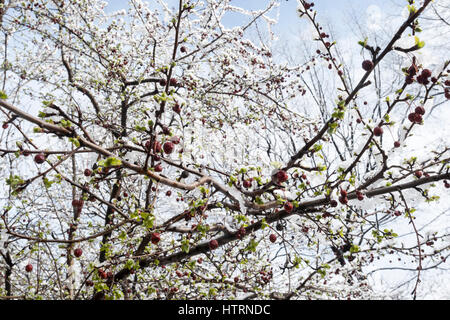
(374, 17)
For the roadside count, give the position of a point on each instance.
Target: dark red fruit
(359, 195)
(102, 274)
(77, 252)
(397, 144)
(333, 203)
(377, 131)
(247, 184)
(418, 174)
(213, 244)
(343, 200)
(367, 65)
(288, 206)
(420, 110)
(87, 172)
(5, 126)
(156, 237)
(241, 233)
(426, 73)
(447, 94)
(156, 146)
(415, 117)
(39, 158)
(418, 118)
(397, 213)
(158, 168)
(273, 238)
(173, 82)
(422, 80)
(168, 147)
(343, 193)
(282, 176)
(28, 268)
(168, 193)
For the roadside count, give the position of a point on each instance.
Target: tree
(155, 153)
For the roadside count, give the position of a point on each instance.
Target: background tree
(155, 153)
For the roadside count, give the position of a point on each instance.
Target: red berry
(273, 238)
(377, 131)
(247, 184)
(77, 252)
(87, 172)
(288, 206)
(241, 233)
(39, 158)
(28, 268)
(156, 237)
(168, 147)
(447, 94)
(156, 146)
(102, 274)
(282, 176)
(343, 193)
(418, 174)
(359, 195)
(213, 244)
(426, 73)
(418, 118)
(173, 82)
(333, 203)
(420, 110)
(367, 65)
(168, 193)
(343, 200)
(183, 49)
(397, 144)
(397, 213)
(5, 126)
(422, 79)
(158, 168)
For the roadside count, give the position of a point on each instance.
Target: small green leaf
(113, 162)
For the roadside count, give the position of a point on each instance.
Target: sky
(287, 17)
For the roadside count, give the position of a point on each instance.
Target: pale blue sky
(288, 16)
(337, 14)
